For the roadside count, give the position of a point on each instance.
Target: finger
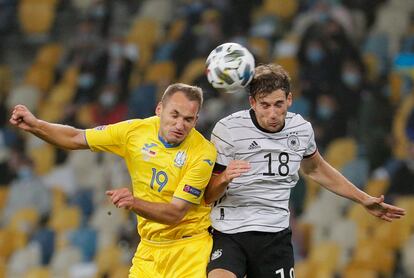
(109, 192)
(386, 218)
(394, 208)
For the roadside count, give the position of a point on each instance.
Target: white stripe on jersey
(259, 199)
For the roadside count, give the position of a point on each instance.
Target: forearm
(164, 213)
(333, 180)
(62, 136)
(216, 188)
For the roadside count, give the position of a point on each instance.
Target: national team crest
(180, 159)
(293, 142)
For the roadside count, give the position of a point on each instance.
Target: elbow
(208, 199)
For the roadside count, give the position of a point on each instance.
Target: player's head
(270, 96)
(178, 111)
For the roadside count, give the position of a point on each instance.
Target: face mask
(86, 80)
(107, 99)
(314, 55)
(25, 173)
(115, 50)
(324, 112)
(351, 79)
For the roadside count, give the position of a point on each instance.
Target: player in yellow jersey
(170, 164)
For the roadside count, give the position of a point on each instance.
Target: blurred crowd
(96, 62)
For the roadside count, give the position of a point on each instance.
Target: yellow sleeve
(192, 186)
(109, 138)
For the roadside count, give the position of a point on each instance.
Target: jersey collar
(166, 144)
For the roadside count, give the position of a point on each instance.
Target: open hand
(235, 169)
(377, 207)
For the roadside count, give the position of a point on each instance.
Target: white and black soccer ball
(230, 66)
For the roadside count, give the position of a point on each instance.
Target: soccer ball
(230, 66)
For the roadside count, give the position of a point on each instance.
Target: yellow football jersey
(160, 171)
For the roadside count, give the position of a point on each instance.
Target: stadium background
(93, 62)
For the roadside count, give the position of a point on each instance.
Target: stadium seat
(5, 80)
(40, 76)
(161, 73)
(325, 255)
(11, 240)
(392, 235)
(145, 32)
(260, 48)
(377, 187)
(4, 191)
(36, 17)
(373, 256)
(364, 220)
(284, 9)
(43, 158)
(49, 55)
(193, 70)
(62, 94)
(120, 271)
(372, 65)
(67, 218)
(359, 272)
(289, 63)
(398, 127)
(24, 220)
(38, 272)
(341, 151)
(108, 259)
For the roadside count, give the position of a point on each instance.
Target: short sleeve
(222, 140)
(192, 186)
(109, 138)
(311, 146)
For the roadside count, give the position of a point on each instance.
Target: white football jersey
(259, 199)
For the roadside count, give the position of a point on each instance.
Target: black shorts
(255, 254)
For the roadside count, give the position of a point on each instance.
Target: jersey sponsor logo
(192, 190)
(254, 145)
(216, 254)
(101, 127)
(147, 151)
(209, 162)
(180, 159)
(293, 142)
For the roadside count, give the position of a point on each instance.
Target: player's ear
(252, 101)
(289, 99)
(158, 109)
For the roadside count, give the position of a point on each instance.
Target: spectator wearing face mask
(110, 108)
(350, 88)
(316, 71)
(329, 122)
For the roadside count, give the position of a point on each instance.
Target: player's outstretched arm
(164, 213)
(62, 136)
(219, 182)
(323, 173)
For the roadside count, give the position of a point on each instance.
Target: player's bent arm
(215, 188)
(164, 213)
(323, 173)
(62, 136)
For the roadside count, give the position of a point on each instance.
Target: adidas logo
(254, 145)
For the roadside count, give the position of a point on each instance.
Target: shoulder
(200, 143)
(294, 120)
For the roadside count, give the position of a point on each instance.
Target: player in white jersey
(260, 152)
